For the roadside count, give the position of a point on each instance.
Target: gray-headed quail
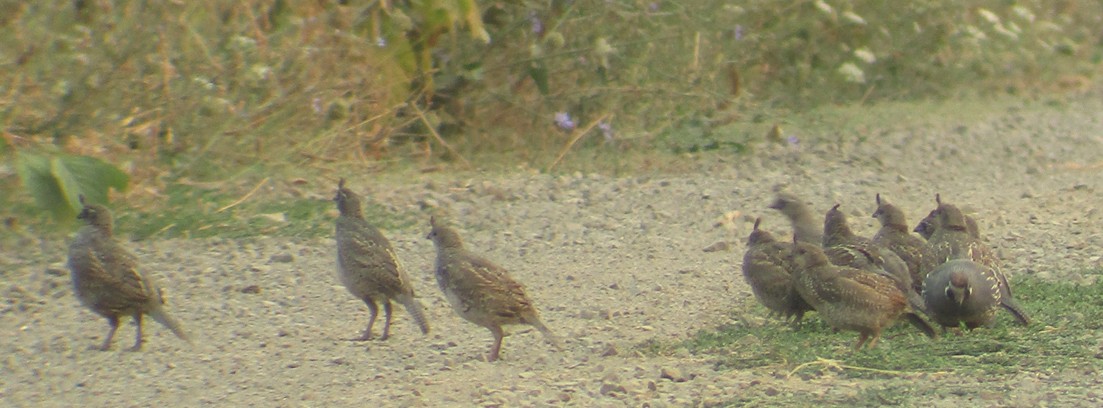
(895, 236)
(480, 291)
(107, 280)
(806, 226)
(962, 291)
(368, 267)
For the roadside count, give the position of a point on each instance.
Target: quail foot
(107, 280)
(480, 291)
(368, 267)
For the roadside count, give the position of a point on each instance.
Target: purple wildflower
(316, 104)
(563, 120)
(380, 42)
(606, 130)
(738, 32)
(793, 141)
(537, 24)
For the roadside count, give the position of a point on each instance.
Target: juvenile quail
(805, 225)
(962, 291)
(768, 272)
(480, 291)
(107, 281)
(952, 240)
(894, 235)
(848, 298)
(368, 267)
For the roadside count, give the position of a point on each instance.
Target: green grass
(1064, 334)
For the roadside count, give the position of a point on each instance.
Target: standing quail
(768, 272)
(848, 298)
(107, 281)
(368, 267)
(805, 225)
(844, 248)
(894, 235)
(480, 291)
(953, 240)
(962, 291)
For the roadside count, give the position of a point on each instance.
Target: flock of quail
(864, 285)
(852, 282)
(107, 280)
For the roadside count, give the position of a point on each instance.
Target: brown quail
(929, 224)
(368, 267)
(844, 248)
(480, 291)
(768, 272)
(848, 298)
(805, 225)
(952, 240)
(107, 280)
(894, 235)
(962, 291)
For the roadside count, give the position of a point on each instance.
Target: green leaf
(56, 182)
(34, 172)
(539, 73)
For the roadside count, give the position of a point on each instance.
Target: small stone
(718, 246)
(672, 374)
(282, 258)
(607, 389)
(610, 350)
(251, 289)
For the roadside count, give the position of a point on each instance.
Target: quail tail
(921, 324)
(1011, 306)
(414, 308)
(163, 317)
(551, 337)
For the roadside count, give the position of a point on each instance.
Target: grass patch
(1064, 335)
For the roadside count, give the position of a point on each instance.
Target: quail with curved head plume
(894, 236)
(805, 225)
(480, 291)
(107, 281)
(845, 248)
(929, 224)
(848, 298)
(962, 291)
(952, 240)
(768, 272)
(368, 267)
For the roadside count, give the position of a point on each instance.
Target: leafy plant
(56, 181)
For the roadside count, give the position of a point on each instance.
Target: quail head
(106, 278)
(768, 272)
(805, 225)
(368, 267)
(848, 298)
(480, 291)
(962, 291)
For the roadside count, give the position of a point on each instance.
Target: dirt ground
(611, 263)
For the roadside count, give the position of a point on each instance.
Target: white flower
(825, 8)
(865, 55)
(853, 18)
(1023, 13)
(988, 15)
(851, 73)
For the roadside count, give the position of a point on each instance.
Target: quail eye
(949, 293)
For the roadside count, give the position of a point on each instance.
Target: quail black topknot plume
(962, 291)
(107, 281)
(805, 225)
(480, 291)
(895, 236)
(952, 240)
(848, 298)
(929, 224)
(368, 267)
(844, 248)
(768, 272)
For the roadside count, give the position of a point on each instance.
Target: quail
(953, 240)
(368, 267)
(895, 236)
(768, 272)
(106, 278)
(844, 248)
(929, 224)
(480, 291)
(805, 225)
(848, 298)
(962, 291)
